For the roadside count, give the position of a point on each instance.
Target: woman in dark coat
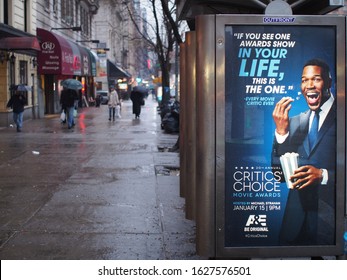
(136, 97)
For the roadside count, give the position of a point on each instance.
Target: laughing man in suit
(309, 217)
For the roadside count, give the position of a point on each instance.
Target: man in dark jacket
(17, 102)
(67, 101)
(136, 97)
(309, 217)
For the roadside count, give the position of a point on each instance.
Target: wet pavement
(104, 190)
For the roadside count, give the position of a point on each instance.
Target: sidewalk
(99, 191)
(104, 190)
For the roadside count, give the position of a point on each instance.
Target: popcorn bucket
(289, 163)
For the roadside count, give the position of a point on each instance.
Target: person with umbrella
(67, 101)
(137, 97)
(17, 103)
(71, 84)
(68, 97)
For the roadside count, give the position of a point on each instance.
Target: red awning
(20, 43)
(60, 56)
(56, 55)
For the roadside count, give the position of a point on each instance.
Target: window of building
(63, 9)
(55, 6)
(46, 5)
(6, 11)
(85, 20)
(77, 12)
(23, 72)
(67, 13)
(23, 75)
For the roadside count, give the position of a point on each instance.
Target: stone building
(18, 51)
(43, 42)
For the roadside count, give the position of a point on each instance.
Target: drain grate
(163, 149)
(173, 149)
(161, 170)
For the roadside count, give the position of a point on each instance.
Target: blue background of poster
(250, 99)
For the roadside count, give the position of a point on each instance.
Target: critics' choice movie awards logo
(256, 223)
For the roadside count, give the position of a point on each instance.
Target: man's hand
(281, 115)
(306, 175)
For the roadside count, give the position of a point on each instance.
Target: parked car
(103, 94)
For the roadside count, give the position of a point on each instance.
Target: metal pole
(176, 71)
(206, 135)
(190, 119)
(182, 136)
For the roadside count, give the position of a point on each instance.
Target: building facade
(18, 52)
(43, 42)
(61, 27)
(112, 27)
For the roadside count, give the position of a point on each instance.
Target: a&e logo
(256, 220)
(256, 223)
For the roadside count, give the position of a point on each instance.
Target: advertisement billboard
(281, 104)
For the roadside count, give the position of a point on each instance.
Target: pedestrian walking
(113, 104)
(137, 97)
(17, 102)
(67, 101)
(98, 100)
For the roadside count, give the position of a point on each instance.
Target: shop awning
(12, 39)
(60, 56)
(94, 63)
(19, 43)
(56, 56)
(87, 62)
(116, 72)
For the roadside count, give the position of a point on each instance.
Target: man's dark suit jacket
(309, 217)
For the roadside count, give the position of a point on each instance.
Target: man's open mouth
(312, 98)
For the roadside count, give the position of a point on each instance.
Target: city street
(106, 190)
(103, 190)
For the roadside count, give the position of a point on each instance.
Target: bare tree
(163, 38)
(168, 14)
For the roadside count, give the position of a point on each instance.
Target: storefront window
(23, 72)
(23, 75)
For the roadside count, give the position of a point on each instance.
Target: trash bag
(164, 109)
(167, 107)
(170, 123)
(170, 114)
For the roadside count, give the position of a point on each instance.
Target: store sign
(76, 63)
(85, 64)
(55, 56)
(60, 56)
(52, 64)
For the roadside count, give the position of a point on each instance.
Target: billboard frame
(338, 22)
